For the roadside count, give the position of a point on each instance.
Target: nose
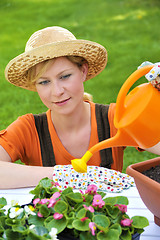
(57, 88)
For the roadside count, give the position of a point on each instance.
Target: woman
(55, 64)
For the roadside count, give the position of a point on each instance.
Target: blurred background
(129, 30)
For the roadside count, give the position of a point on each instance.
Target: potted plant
(55, 214)
(148, 188)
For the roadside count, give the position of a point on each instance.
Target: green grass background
(129, 29)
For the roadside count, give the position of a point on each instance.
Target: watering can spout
(80, 165)
(120, 139)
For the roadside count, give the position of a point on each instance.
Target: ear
(84, 71)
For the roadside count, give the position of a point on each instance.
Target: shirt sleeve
(18, 138)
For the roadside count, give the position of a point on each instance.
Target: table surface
(135, 207)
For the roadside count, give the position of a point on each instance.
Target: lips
(62, 102)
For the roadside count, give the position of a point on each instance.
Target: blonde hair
(87, 97)
(32, 77)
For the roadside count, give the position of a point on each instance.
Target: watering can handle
(125, 88)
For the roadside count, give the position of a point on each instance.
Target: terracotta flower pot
(148, 189)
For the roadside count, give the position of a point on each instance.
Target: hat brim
(94, 53)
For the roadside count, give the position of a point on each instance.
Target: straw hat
(54, 42)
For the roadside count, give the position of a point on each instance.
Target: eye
(44, 82)
(65, 76)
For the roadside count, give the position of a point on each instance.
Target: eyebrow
(45, 78)
(69, 69)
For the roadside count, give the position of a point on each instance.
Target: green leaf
(79, 206)
(116, 226)
(40, 231)
(2, 212)
(139, 222)
(112, 234)
(20, 229)
(47, 220)
(44, 210)
(60, 224)
(89, 214)
(46, 182)
(69, 222)
(70, 218)
(61, 207)
(81, 226)
(112, 211)
(122, 200)
(2, 221)
(44, 189)
(75, 196)
(35, 220)
(110, 200)
(116, 200)
(88, 199)
(126, 235)
(11, 235)
(71, 214)
(3, 202)
(86, 236)
(19, 162)
(1, 229)
(67, 190)
(102, 222)
(34, 236)
(81, 213)
(12, 222)
(138, 230)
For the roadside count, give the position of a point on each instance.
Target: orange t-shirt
(21, 141)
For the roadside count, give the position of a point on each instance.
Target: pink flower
(91, 189)
(81, 191)
(122, 207)
(97, 201)
(53, 199)
(36, 200)
(90, 208)
(83, 219)
(56, 195)
(55, 184)
(126, 222)
(39, 215)
(83, 198)
(92, 226)
(52, 202)
(44, 201)
(57, 216)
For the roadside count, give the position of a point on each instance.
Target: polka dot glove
(105, 179)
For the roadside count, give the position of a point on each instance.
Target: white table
(135, 207)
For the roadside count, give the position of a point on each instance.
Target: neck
(73, 121)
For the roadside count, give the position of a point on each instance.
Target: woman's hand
(153, 76)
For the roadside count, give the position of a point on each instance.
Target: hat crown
(48, 35)
(49, 43)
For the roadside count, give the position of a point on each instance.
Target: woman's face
(61, 86)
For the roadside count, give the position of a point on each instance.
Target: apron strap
(47, 154)
(103, 129)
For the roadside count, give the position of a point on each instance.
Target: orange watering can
(137, 118)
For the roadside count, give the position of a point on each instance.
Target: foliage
(88, 215)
